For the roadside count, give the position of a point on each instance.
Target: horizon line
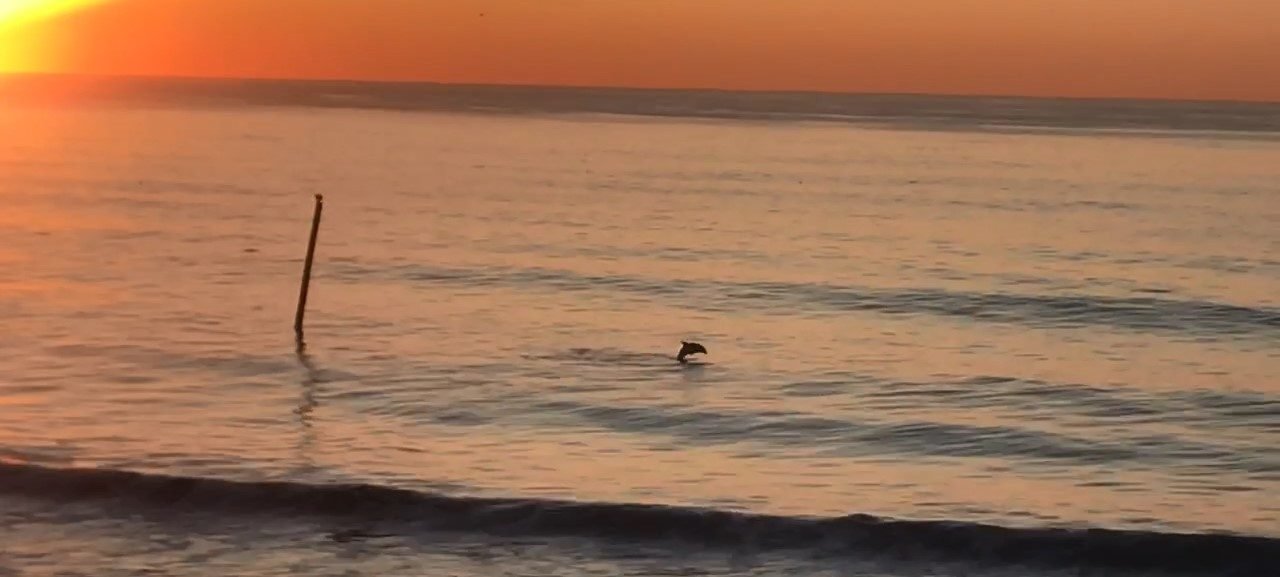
(426, 82)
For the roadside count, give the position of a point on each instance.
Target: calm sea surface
(931, 352)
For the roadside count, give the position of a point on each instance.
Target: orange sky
(1226, 49)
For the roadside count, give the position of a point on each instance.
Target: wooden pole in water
(306, 267)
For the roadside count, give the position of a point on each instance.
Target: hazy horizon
(1142, 49)
(619, 87)
(980, 113)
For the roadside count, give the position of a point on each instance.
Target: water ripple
(1144, 314)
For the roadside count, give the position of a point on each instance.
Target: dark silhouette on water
(306, 268)
(687, 349)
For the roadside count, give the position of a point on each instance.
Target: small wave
(848, 437)
(1240, 410)
(224, 362)
(50, 455)
(1054, 311)
(861, 535)
(606, 356)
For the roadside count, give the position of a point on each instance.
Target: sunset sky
(1228, 49)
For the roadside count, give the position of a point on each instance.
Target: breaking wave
(404, 510)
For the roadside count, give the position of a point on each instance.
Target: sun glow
(17, 12)
(17, 53)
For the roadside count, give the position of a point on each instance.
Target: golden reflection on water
(195, 227)
(52, 222)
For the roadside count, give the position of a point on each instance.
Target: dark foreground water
(934, 350)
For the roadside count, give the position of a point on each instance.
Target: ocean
(946, 336)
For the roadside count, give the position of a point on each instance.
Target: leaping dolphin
(687, 349)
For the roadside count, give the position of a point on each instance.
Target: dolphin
(687, 349)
